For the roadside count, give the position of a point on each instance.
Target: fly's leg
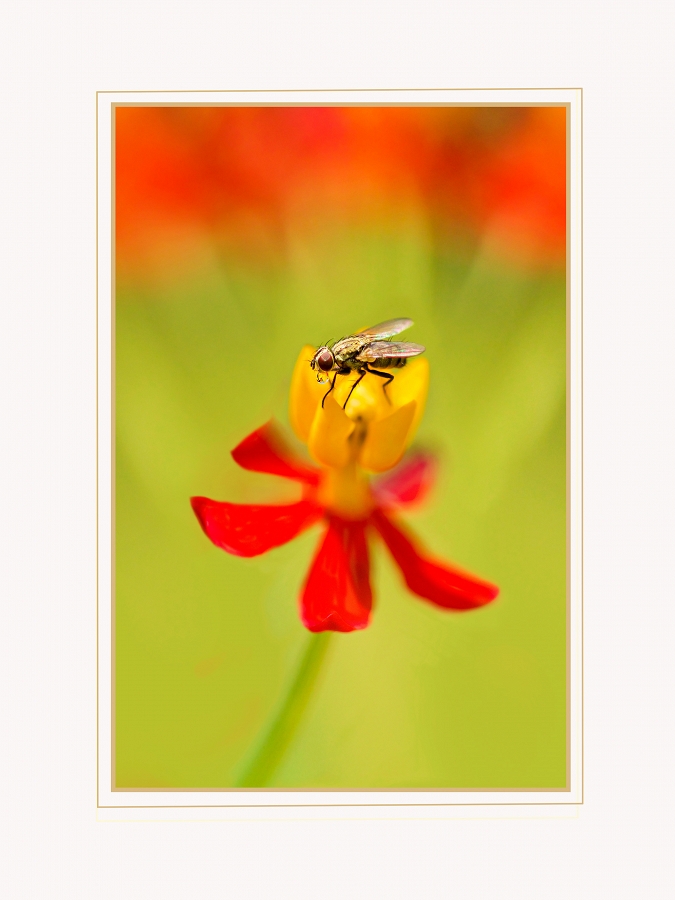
(386, 375)
(332, 385)
(344, 405)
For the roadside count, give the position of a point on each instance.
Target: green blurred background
(241, 236)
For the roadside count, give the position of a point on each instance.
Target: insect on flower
(365, 352)
(348, 445)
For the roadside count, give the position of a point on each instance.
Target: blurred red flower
(337, 595)
(246, 174)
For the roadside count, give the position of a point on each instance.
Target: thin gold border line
(373, 90)
(581, 412)
(568, 737)
(275, 790)
(266, 790)
(97, 471)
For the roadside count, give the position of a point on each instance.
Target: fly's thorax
(347, 349)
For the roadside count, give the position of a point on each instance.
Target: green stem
(277, 735)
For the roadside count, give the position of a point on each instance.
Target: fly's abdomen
(389, 362)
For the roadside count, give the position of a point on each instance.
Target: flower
(369, 436)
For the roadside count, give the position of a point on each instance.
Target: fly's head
(322, 362)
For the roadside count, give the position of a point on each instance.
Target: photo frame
(185, 803)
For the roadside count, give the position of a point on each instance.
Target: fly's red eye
(325, 360)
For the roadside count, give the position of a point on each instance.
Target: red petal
(437, 582)
(265, 451)
(337, 595)
(408, 483)
(250, 530)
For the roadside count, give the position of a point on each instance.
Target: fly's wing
(389, 350)
(386, 329)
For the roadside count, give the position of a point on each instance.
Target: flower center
(346, 492)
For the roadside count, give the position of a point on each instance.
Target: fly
(365, 352)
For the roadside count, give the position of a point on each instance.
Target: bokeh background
(242, 234)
